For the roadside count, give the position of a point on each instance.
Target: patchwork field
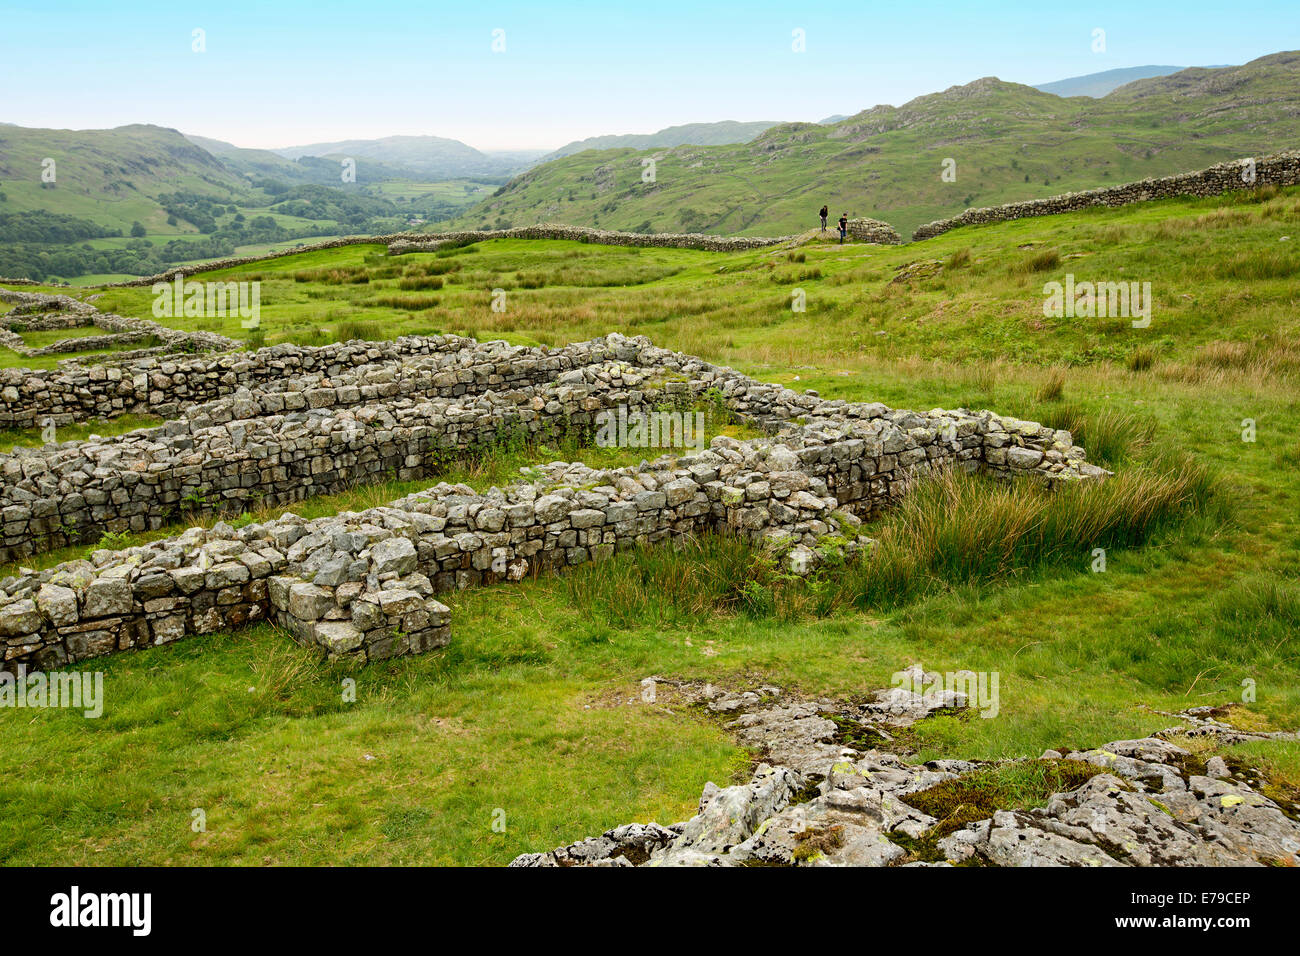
(533, 713)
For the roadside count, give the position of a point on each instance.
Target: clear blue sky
(284, 72)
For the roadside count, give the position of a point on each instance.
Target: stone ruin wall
(267, 449)
(162, 385)
(873, 230)
(1281, 169)
(365, 584)
(38, 311)
(603, 237)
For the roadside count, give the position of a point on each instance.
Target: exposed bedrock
(824, 798)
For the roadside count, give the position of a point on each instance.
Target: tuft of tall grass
(411, 303)
(1040, 261)
(957, 529)
(1052, 390)
(354, 329)
(1259, 606)
(1141, 359)
(1109, 436)
(1258, 264)
(686, 582)
(1218, 363)
(356, 275)
(421, 282)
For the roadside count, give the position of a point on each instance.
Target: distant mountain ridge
(308, 168)
(1006, 142)
(694, 134)
(1098, 85)
(431, 157)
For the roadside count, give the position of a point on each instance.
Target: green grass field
(534, 709)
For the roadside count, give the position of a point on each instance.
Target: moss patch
(815, 843)
(1021, 785)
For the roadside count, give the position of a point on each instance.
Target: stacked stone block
(873, 230)
(364, 584)
(36, 311)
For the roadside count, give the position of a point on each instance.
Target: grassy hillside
(1010, 142)
(974, 294)
(139, 199)
(110, 176)
(433, 157)
(534, 707)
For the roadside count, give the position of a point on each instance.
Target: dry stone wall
(38, 311)
(1281, 169)
(873, 230)
(403, 240)
(165, 385)
(365, 584)
(428, 243)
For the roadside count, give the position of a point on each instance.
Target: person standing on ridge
(844, 226)
(825, 213)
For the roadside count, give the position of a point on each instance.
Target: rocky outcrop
(826, 798)
(1279, 169)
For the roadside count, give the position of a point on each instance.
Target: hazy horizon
(329, 71)
(613, 132)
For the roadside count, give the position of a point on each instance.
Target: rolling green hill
(432, 157)
(1009, 142)
(112, 177)
(138, 199)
